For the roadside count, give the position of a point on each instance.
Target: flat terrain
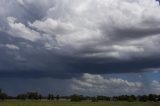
(51, 103)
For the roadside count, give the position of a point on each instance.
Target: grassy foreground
(49, 103)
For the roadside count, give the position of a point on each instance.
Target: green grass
(49, 103)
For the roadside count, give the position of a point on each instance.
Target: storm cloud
(66, 38)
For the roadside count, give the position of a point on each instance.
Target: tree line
(78, 98)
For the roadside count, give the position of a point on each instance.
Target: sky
(89, 47)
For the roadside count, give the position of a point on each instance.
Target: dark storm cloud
(54, 66)
(62, 39)
(134, 33)
(14, 86)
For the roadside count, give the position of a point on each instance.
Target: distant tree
(152, 97)
(143, 98)
(50, 97)
(76, 98)
(158, 98)
(133, 97)
(94, 99)
(22, 96)
(123, 98)
(130, 99)
(57, 97)
(40, 96)
(65, 97)
(103, 98)
(33, 95)
(115, 98)
(3, 95)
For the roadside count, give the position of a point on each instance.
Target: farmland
(67, 103)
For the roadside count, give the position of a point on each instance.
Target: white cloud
(116, 51)
(12, 46)
(107, 24)
(154, 70)
(155, 87)
(52, 27)
(90, 84)
(21, 31)
(21, 1)
(90, 28)
(99, 85)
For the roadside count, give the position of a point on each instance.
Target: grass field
(48, 103)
